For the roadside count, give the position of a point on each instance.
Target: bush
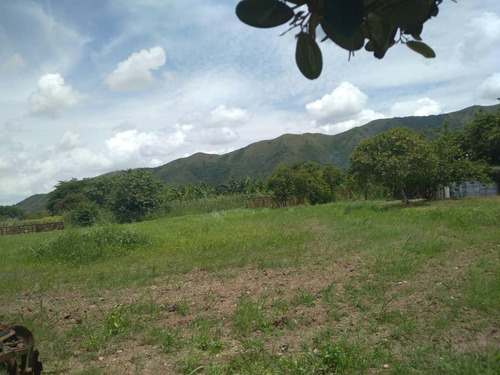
(78, 246)
(84, 214)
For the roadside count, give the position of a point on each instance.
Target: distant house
(469, 189)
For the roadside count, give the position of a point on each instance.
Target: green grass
(341, 288)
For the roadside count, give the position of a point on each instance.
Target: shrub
(78, 246)
(84, 214)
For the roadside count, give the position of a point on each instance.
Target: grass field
(345, 288)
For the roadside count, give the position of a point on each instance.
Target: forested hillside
(259, 159)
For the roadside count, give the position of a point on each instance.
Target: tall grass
(200, 206)
(87, 245)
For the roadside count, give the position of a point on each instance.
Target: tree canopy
(481, 137)
(405, 161)
(397, 158)
(376, 25)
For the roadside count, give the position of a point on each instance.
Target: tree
(305, 183)
(99, 189)
(83, 214)
(310, 185)
(281, 183)
(69, 202)
(63, 189)
(333, 177)
(348, 23)
(397, 159)
(11, 212)
(455, 165)
(481, 137)
(135, 194)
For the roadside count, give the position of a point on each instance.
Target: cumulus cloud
(361, 118)
(219, 117)
(52, 95)
(141, 148)
(222, 115)
(69, 141)
(134, 73)
(419, 107)
(341, 110)
(490, 88)
(345, 101)
(131, 143)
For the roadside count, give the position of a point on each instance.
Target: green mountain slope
(35, 203)
(259, 159)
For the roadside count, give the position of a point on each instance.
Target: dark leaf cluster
(376, 25)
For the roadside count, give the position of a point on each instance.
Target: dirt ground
(216, 295)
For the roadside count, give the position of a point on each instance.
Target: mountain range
(259, 159)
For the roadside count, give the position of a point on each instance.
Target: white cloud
(52, 95)
(222, 115)
(4, 164)
(13, 125)
(130, 143)
(345, 101)
(80, 158)
(341, 110)
(490, 88)
(483, 33)
(16, 61)
(419, 107)
(132, 148)
(134, 73)
(362, 118)
(215, 136)
(69, 141)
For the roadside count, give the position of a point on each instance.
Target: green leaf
(352, 42)
(344, 16)
(308, 56)
(369, 46)
(264, 13)
(421, 48)
(382, 35)
(414, 30)
(406, 12)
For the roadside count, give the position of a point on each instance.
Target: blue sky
(88, 87)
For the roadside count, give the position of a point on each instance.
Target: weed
(116, 321)
(250, 315)
(168, 339)
(82, 246)
(483, 286)
(207, 336)
(305, 299)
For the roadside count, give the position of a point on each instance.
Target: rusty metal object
(17, 351)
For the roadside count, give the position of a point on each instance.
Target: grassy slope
(351, 287)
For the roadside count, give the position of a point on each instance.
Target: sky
(93, 86)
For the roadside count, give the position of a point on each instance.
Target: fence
(468, 189)
(31, 228)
